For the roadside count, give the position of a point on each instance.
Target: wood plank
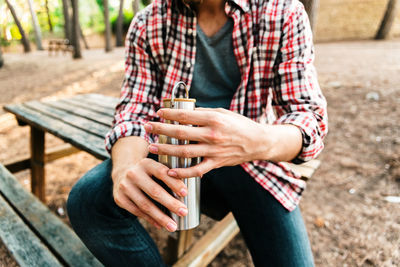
(205, 249)
(77, 137)
(82, 112)
(26, 248)
(73, 103)
(52, 231)
(306, 170)
(102, 100)
(60, 152)
(18, 164)
(78, 122)
(90, 106)
(37, 163)
(23, 163)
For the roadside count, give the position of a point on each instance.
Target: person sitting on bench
(249, 64)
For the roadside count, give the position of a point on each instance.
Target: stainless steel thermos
(192, 199)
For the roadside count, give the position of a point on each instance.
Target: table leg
(37, 163)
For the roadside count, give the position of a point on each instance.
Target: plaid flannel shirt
(273, 47)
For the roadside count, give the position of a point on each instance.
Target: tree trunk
(120, 21)
(48, 16)
(135, 7)
(24, 39)
(108, 26)
(83, 37)
(311, 7)
(1, 59)
(387, 20)
(67, 21)
(75, 29)
(36, 27)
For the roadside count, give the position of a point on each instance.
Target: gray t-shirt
(216, 73)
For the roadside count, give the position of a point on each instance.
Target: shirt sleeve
(297, 98)
(139, 99)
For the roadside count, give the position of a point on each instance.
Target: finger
(128, 205)
(195, 117)
(157, 193)
(197, 171)
(150, 209)
(183, 151)
(181, 132)
(160, 171)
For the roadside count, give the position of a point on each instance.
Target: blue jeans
(274, 236)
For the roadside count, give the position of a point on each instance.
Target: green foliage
(128, 16)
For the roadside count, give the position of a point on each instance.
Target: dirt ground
(345, 207)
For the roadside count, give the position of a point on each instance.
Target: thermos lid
(173, 99)
(179, 99)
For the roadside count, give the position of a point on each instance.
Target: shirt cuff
(125, 129)
(312, 140)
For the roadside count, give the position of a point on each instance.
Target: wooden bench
(82, 121)
(33, 234)
(56, 45)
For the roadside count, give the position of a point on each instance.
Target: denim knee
(91, 197)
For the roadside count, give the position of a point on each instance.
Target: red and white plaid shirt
(273, 46)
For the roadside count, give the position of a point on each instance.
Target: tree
(75, 29)
(135, 7)
(24, 39)
(48, 16)
(67, 20)
(311, 7)
(108, 26)
(120, 21)
(387, 20)
(1, 59)
(36, 27)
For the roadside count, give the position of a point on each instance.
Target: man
(246, 62)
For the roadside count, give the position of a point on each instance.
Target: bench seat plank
(77, 137)
(79, 122)
(24, 245)
(60, 239)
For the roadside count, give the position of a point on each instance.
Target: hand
(224, 138)
(133, 183)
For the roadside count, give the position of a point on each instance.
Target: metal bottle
(192, 199)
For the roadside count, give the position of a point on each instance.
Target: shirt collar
(243, 4)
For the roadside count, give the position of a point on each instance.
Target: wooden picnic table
(81, 121)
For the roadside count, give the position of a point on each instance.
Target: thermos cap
(180, 99)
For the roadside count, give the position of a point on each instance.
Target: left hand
(224, 138)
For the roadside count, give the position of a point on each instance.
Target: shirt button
(188, 65)
(190, 31)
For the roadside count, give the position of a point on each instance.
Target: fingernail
(171, 226)
(182, 211)
(183, 192)
(160, 113)
(148, 127)
(172, 173)
(153, 149)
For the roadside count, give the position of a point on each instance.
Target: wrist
(268, 142)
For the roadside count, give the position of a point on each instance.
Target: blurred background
(352, 203)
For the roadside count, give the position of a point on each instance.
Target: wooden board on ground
(26, 248)
(57, 236)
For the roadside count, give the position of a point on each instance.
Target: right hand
(132, 183)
